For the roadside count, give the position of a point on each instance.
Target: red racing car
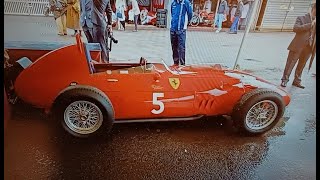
(89, 97)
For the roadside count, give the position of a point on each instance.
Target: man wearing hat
(301, 47)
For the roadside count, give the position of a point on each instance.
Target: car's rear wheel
(258, 111)
(83, 117)
(84, 112)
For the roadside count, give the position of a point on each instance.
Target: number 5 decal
(155, 101)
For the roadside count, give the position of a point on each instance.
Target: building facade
(280, 15)
(271, 15)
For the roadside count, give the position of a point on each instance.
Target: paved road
(261, 50)
(205, 149)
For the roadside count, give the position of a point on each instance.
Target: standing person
(207, 6)
(233, 11)
(180, 9)
(144, 16)
(86, 8)
(222, 10)
(73, 16)
(94, 23)
(136, 12)
(59, 8)
(121, 17)
(244, 13)
(237, 15)
(301, 46)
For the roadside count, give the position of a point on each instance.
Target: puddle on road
(310, 127)
(278, 130)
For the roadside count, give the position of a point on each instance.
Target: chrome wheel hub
(83, 117)
(261, 115)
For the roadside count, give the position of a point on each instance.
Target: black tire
(85, 94)
(195, 21)
(247, 101)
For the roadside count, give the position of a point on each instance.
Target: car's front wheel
(84, 112)
(258, 111)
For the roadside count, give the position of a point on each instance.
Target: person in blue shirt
(179, 10)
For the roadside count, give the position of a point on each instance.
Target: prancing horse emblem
(174, 82)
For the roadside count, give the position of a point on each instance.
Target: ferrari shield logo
(174, 82)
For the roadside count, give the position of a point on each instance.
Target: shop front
(148, 10)
(204, 12)
(280, 15)
(245, 15)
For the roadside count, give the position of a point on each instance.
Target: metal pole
(248, 26)
(215, 16)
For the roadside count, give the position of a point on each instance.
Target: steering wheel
(143, 62)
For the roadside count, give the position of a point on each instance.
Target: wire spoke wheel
(261, 115)
(83, 117)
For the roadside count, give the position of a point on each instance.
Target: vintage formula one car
(89, 97)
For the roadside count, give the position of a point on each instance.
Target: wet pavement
(206, 149)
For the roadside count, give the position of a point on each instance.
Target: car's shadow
(137, 148)
(220, 126)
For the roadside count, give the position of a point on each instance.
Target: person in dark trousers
(94, 23)
(136, 11)
(237, 15)
(301, 47)
(179, 10)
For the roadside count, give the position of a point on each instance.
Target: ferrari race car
(88, 97)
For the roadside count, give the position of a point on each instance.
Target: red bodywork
(147, 91)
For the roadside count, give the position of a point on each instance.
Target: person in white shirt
(120, 13)
(121, 17)
(136, 11)
(144, 16)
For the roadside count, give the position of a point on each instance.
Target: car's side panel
(136, 96)
(214, 93)
(176, 103)
(40, 83)
(249, 82)
(161, 92)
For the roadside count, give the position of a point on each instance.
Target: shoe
(217, 31)
(283, 84)
(65, 34)
(298, 85)
(232, 32)
(135, 30)
(60, 34)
